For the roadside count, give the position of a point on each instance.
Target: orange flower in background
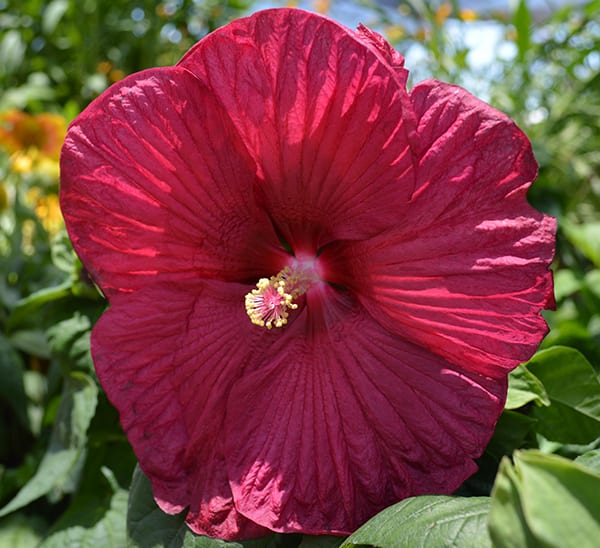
(32, 141)
(33, 144)
(22, 131)
(442, 13)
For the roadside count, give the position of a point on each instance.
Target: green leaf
(544, 500)
(522, 22)
(574, 392)
(507, 523)
(428, 522)
(524, 387)
(12, 51)
(590, 459)
(148, 526)
(92, 522)
(70, 341)
(62, 459)
(511, 432)
(586, 237)
(63, 256)
(41, 311)
(566, 282)
(30, 305)
(52, 15)
(575, 334)
(31, 341)
(20, 531)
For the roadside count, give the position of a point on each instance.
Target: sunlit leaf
(53, 14)
(544, 500)
(21, 531)
(523, 388)
(427, 522)
(590, 460)
(586, 237)
(507, 523)
(12, 51)
(566, 282)
(573, 388)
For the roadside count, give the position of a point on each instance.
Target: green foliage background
(66, 468)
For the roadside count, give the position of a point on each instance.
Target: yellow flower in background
(46, 208)
(468, 15)
(394, 33)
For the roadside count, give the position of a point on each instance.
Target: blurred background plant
(65, 465)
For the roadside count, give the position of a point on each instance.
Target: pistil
(269, 304)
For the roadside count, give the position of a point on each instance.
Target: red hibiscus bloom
(400, 272)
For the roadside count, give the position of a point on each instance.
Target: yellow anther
(268, 305)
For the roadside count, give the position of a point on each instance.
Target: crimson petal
(167, 357)
(465, 274)
(325, 115)
(156, 183)
(342, 418)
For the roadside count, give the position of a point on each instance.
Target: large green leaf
(427, 522)
(544, 500)
(507, 523)
(573, 388)
(148, 526)
(62, 459)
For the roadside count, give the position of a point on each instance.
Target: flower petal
(167, 357)
(324, 115)
(342, 418)
(156, 184)
(465, 274)
(384, 49)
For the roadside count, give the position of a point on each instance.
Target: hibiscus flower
(317, 281)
